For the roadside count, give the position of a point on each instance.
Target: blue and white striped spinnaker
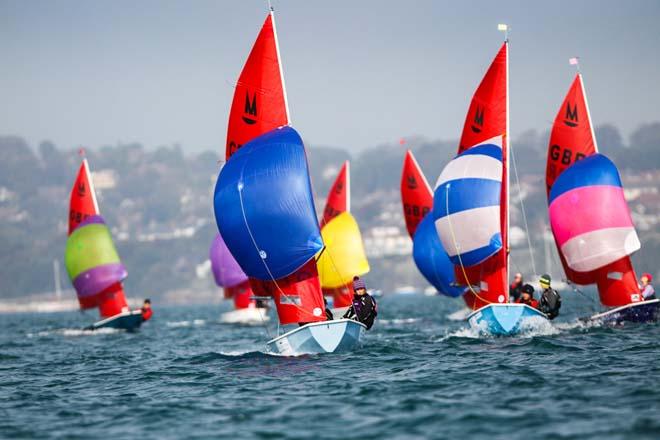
(466, 204)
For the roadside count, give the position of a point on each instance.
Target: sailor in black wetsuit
(550, 301)
(363, 308)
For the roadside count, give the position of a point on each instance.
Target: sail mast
(91, 186)
(505, 157)
(279, 62)
(586, 105)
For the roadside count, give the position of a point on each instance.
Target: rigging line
(460, 260)
(270, 274)
(594, 303)
(522, 208)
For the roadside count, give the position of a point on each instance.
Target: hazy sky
(358, 73)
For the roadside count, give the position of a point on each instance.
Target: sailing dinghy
(229, 275)
(589, 216)
(344, 255)
(258, 106)
(274, 234)
(471, 208)
(276, 243)
(92, 262)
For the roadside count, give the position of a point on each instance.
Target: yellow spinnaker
(344, 256)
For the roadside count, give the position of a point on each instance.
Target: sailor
(515, 289)
(527, 296)
(328, 313)
(648, 292)
(550, 300)
(146, 310)
(363, 307)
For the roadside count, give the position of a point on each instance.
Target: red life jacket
(146, 314)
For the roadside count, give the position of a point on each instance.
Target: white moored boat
(247, 316)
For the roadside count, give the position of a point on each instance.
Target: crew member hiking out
(363, 307)
(146, 310)
(648, 292)
(550, 302)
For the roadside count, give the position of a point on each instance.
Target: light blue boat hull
(504, 319)
(319, 337)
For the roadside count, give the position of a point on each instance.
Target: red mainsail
(572, 138)
(416, 193)
(338, 201)
(339, 196)
(259, 103)
(487, 118)
(83, 204)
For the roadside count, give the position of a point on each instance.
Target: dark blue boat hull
(642, 312)
(129, 321)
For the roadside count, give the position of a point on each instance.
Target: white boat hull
(319, 337)
(247, 316)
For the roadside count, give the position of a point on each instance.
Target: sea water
(419, 374)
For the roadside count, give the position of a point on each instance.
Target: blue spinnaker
(264, 206)
(432, 259)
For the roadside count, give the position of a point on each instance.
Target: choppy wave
(398, 321)
(459, 315)
(187, 323)
(417, 375)
(75, 332)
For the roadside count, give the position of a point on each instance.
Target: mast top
(575, 61)
(504, 28)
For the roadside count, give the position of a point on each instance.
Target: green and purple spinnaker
(92, 261)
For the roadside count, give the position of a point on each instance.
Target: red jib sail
(572, 138)
(83, 204)
(296, 297)
(338, 201)
(416, 193)
(487, 118)
(259, 103)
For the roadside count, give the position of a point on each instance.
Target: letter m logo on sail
(571, 115)
(250, 108)
(478, 120)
